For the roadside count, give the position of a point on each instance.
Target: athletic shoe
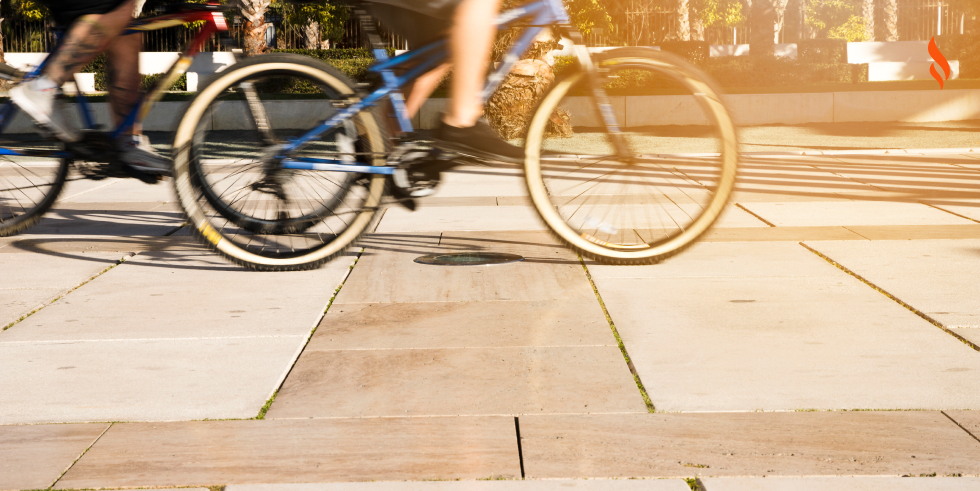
(479, 140)
(136, 152)
(37, 99)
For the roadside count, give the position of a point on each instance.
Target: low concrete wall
(746, 109)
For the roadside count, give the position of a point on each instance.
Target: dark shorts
(65, 12)
(419, 21)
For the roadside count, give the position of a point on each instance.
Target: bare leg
(423, 88)
(470, 41)
(124, 77)
(86, 38)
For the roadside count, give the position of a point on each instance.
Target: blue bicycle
(281, 162)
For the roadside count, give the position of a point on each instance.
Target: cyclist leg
(94, 24)
(124, 95)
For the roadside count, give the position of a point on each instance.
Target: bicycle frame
(542, 14)
(214, 21)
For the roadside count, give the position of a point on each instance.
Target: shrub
(751, 72)
(693, 51)
(822, 51)
(964, 48)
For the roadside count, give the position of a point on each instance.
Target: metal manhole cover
(468, 259)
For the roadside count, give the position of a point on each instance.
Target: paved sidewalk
(823, 336)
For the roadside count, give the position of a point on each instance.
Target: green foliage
(345, 60)
(725, 13)
(745, 71)
(965, 48)
(822, 51)
(589, 14)
(328, 15)
(693, 51)
(29, 10)
(835, 19)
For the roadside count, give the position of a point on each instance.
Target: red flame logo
(941, 60)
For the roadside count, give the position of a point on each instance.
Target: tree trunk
(254, 12)
(762, 37)
(683, 25)
(868, 12)
(780, 12)
(510, 108)
(891, 20)
(697, 24)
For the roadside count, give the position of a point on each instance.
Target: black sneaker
(478, 141)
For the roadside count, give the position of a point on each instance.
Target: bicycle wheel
(29, 186)
(239, 200)
(656, 193)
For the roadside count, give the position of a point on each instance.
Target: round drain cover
(468, 259)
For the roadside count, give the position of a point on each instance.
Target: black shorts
(420, 21)
(65, 12)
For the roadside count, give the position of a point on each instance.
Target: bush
(822, 51)
(751, 72)
(333, 54)
(693, 51)
(964, 48)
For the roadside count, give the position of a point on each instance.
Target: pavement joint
(957, 423)
(66, 292)
(763, 220)
(950, 212)
(897, 300)
(282, 380)
(520, 450)
(619, 341)
(80, 456)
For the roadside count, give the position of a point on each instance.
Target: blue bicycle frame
(542, 14)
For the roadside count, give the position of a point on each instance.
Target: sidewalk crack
(619, 341)
(520, 450)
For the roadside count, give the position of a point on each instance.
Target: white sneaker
(37, 99)
(136, 152)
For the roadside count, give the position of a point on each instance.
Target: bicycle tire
(650, 246)
(18, 181)
(258, 249)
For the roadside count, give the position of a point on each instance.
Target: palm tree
(868, 12)
(780, 13)
(254, 12)
(891, 20)
(762, 38)
(683, 26)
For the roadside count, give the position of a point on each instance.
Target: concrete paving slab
(549, 485)
(495, 180)
(751, 343)
(141, 380)
(248, 452)
(124, 190)
(840, 483)
(968, 420)
(855, 213)
(386, 273)
(720, 260)
(746, 444)
(533, 246)
(416, 382)
(186, 295)
(34, 456)
(964, 208)
(31, 280)
(970, 334)
(75, 246)
(462, 325)
(937, 277)
(916, 232)
(773, 234)
(64, 221)
(455, 219)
